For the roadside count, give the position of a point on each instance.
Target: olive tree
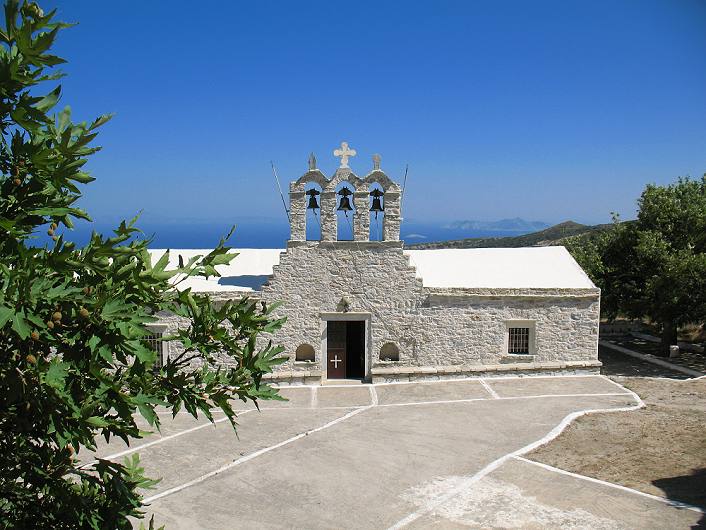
(654, 266)
(74, 360)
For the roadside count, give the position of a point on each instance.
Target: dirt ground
(659, 449)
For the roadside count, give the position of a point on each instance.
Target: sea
(261, 234)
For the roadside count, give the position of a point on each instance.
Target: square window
(518, 340)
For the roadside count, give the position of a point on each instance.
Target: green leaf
(113, 308)
(97, 421)
(147, 412)
(93, 342)
(162, 262)
(106, 354)
(144, 354)
(64, 119)
(19, 324)
(6, 313)
(56, 374)
(101, 120)
(83, 178)
(48, 101)
(44, 41)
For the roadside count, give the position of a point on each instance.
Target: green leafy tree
(588, 249)
(74, 362)
(655, 266)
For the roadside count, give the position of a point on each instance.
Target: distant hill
(554, 235)
(503, 225)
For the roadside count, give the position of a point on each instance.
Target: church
(362, 308)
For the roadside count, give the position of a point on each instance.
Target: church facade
(359, 306)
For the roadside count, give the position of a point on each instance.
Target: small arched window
(389, 352)
(305, 352)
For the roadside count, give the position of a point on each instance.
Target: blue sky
(543, 110)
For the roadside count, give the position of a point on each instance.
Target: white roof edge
(550, 267)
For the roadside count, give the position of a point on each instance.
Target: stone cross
(335, 361)
(376, 162)
(312, 162)
(344, 152)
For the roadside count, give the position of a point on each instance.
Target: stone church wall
(374, 279)
(429, 327)
(472, 330)
(454, 329)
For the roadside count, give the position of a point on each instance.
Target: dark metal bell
(345, 204)
(377, 204)
(313, 205)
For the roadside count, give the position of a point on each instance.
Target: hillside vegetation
(554, 235)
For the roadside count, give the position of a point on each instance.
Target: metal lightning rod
(286, 210)
(404, 183)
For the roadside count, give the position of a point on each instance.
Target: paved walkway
(416, 455)
(689, 361)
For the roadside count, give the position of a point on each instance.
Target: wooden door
(336, 350)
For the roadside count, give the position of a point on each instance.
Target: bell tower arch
(370, 199)
(389, 201)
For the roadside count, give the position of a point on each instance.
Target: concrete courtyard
(414, 455)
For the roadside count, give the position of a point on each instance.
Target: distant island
(503, 225)
(553, 235)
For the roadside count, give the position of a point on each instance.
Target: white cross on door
(335, 361)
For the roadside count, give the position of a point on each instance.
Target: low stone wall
(440, 373)
(389, 374)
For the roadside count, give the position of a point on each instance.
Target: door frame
(324, 319)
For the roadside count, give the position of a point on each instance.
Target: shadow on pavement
(690, 489)
(619, 364)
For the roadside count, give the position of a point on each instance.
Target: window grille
(518, 340)
(155, 342)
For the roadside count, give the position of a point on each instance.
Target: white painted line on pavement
(314, 397)
(472, 479)
(162, 440)
(253, 455)
(676, 504)
(373, 396)
(492, 392)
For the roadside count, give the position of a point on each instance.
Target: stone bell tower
(375, 193)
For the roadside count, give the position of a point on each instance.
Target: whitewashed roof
(247, 272)
(510, 268)
(518, 268)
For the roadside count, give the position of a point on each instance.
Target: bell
(313, 205)
(345, 204)
(377, 205)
